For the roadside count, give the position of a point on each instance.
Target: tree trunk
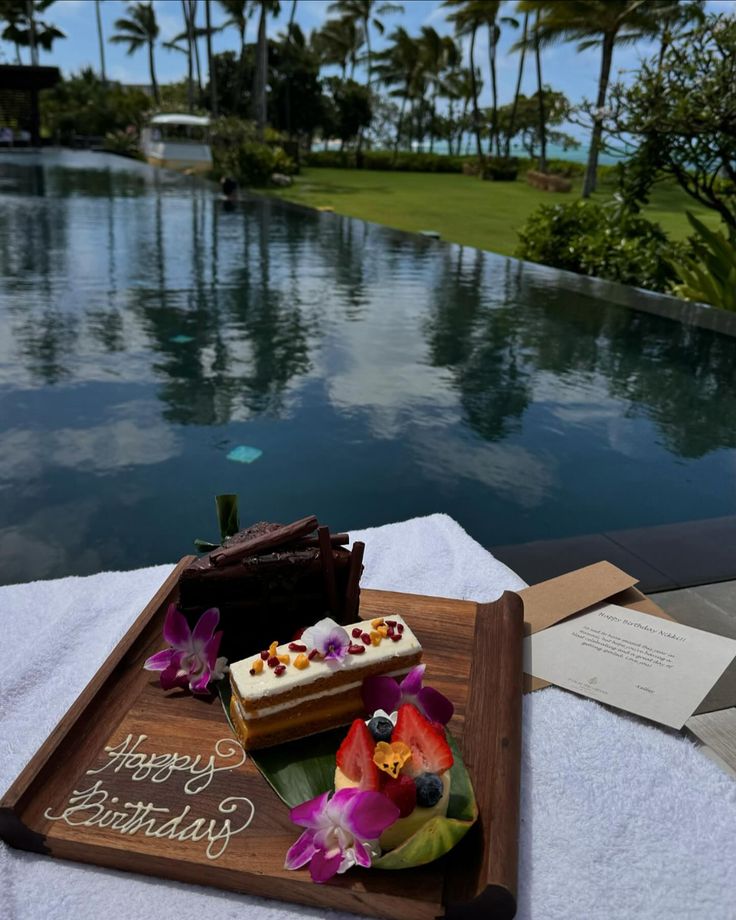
(241, 70)
(101, 41)
(288, 74)
(431, 123)
(210, 61)
(366, 23)
(32, 32)
(462, 128)
(190, 83)
(195, 42)
(401, 120)
(512, 119)
(494, 89)
(152, 70)
(476, 113)
(542, 165)
(261, 65)
(591, 169)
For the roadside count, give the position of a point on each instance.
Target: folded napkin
(620, 819)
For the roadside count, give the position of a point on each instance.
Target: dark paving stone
(712, 608)
(689, 554)
(544, 559)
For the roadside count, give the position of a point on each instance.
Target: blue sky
(563, 68)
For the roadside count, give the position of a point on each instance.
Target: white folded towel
(619, 818)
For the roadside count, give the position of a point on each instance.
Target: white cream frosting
(266, 711)
(268, 683)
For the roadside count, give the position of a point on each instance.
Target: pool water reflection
(146, 332)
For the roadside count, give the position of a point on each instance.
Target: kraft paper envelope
(551, 601)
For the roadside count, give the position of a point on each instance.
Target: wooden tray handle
(483, 877)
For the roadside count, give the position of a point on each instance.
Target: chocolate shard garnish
(336, 539)
(279, 536)
(328, 569)
(352, 592)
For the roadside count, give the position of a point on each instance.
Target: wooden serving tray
(200, 812)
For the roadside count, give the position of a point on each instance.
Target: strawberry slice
(402, 791)
(430, 752)
(355, 757)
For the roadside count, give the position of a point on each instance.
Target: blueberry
(429, 789)
(380, 727)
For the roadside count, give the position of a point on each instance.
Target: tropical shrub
(237, 152)
(600, 240)
(498, 169)
(708, 274)
(125, 143)
(84, 105)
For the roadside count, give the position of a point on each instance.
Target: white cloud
(139, 440)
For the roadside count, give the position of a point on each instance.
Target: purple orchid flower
(330, 640)
(381, 692)
(341, 831)
(192, 659)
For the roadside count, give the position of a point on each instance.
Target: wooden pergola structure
(19, 89)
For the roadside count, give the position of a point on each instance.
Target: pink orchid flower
(192, 659)
(381, 692)
(341, 831)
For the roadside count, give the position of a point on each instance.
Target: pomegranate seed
(265, 655)
(395, 637)
(279, 670)
(252, 672)
(273, 662)
(356, 649)
(356, 632)
(366, 638)
(297, 647)
(391, 632)
(400, 627)
(313, 654)
(390, 622)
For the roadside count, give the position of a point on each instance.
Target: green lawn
(460, 208)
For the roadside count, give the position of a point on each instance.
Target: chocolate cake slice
(271, 580)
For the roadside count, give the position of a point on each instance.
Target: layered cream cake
(313, 684)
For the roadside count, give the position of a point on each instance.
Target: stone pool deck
(689, 569)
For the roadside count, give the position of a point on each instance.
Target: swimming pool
(147, 332)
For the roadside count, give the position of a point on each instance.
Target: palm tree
(467, 22)
(542, 165)
(210, 65)
(363, 13)
(438, 54)
(261, 73)
(459, 87)
(399, 65)
(25, 30)
(522, 53)
(338, 42)
(101, 40)
(591, 23)
(239, 12)
(139, 30)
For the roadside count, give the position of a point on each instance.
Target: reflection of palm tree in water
(479, 341)
(247, 341)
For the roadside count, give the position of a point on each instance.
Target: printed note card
(646, 665)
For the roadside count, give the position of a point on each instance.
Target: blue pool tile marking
(244, 454)
(181, 339)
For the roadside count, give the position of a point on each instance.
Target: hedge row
(429, 162)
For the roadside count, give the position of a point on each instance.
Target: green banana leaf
(302, 769)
